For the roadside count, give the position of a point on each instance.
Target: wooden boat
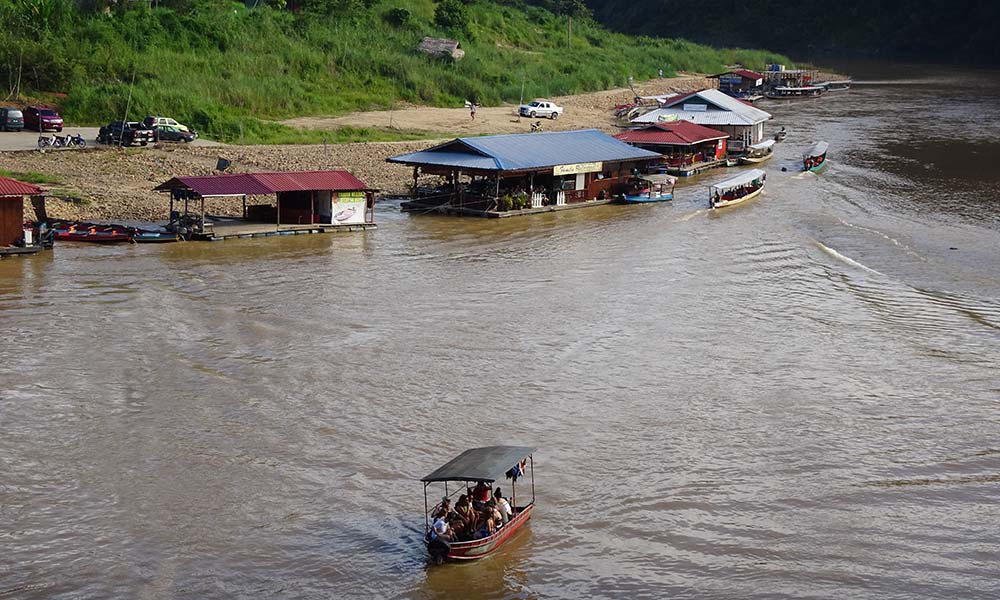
(815, 158)
(795, 93)
(143, 236)
(651, 188)
(488, 465)
(758, 153)
(841, 85)
(780, 136)
(93, 234)
(738, 189)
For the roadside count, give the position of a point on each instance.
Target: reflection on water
(795, 397)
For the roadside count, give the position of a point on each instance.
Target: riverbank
(110, 184)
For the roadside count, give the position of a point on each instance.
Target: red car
(42, 118)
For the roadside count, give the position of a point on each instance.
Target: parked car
(170, 133)
(126, 133)
(155, 123)
(540, 108)
(11, 119)
(42, 118)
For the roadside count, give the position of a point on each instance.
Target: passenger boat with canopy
(758, 153)
(815, 158)
(651, 188)
(490, 465)
(737, 189)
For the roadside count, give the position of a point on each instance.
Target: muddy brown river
(794, 398)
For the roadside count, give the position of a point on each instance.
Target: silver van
(11, 119)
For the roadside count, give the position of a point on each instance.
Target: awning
(818, 149)
(263, 184)
(659, 178)
(762, 145)
(481, 464)
(741, 179)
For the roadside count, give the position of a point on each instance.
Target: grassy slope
(228, 70)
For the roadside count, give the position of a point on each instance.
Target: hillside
(937, 31)
(231, 71)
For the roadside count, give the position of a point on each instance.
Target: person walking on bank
(472, 110)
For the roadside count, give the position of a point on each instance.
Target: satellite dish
(222, 165)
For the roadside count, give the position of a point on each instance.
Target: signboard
(732, 79)
(591, 167)
(349, 208)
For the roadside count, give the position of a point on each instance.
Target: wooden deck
(18, 250)
(447, 209)
(689, 170)
(226, 229)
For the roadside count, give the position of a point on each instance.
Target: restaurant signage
(589, 167)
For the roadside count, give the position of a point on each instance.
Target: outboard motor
(438, 549)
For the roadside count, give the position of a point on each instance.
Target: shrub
(397, 16)
(450, 14)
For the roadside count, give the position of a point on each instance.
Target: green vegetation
(228, 70)
(29, 177)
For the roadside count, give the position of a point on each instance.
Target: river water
(798, 397)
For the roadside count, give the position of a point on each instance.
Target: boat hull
(754, 160)
(725, 203)
(815, 167)
(474, 549)
(93, 238)
(627, 199)
(154, 238)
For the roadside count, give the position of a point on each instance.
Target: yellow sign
(591, 167)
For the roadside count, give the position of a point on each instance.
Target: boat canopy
(480, 464)
(818, 149)
(659, 178)
(742, 179)
(761, 145)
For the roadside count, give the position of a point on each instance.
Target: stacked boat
(98, 233)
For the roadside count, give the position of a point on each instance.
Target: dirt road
(28, 140)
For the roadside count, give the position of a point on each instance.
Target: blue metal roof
(525, 151)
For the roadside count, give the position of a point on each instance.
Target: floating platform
(225, 229)
(19, 250)
(448, 209)
(689, 170)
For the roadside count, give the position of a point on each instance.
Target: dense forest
(942, 31)
(231, 69)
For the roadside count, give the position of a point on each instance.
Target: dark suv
(11, 119)
(41, 118)
(126, 133)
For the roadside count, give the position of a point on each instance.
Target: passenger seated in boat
(494, 513)
(442, 510)
(458, 528)
(441, 531)
(487, 526)
(506, 512)
(463, 508)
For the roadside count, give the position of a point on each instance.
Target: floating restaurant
(687, 148)
(712, 108)
(521, 174)
(15, 237)
(304, 202)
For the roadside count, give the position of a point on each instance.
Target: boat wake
(845, 259)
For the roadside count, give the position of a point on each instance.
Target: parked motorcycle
(69, 141)
(45, 141)
(536, 126)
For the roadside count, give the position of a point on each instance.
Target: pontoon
(794, 93)
(496, 466)
(738, 189)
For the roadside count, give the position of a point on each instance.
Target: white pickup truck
(540, 108)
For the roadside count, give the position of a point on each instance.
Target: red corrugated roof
(674, 133)
(745, 73)
(261, 184)
(13, 187)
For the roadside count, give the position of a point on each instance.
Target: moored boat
(145, 236)
(737, 189)
(841, 85)
(782, 92)
(485, 466)
(86, 232)
(758, 153)
(651, 188)
(779, 136)
(815, 158)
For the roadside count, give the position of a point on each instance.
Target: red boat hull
(474, 549)
(98, 237)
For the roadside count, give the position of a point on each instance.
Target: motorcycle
(536, 126)
(69, 141)
(45, 141)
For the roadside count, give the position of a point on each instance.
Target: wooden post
(277, 210)
(244, 206)
(416, 172)
(203, 214)
(312, 206)
(171, 213)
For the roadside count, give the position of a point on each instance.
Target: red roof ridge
(13, 187)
